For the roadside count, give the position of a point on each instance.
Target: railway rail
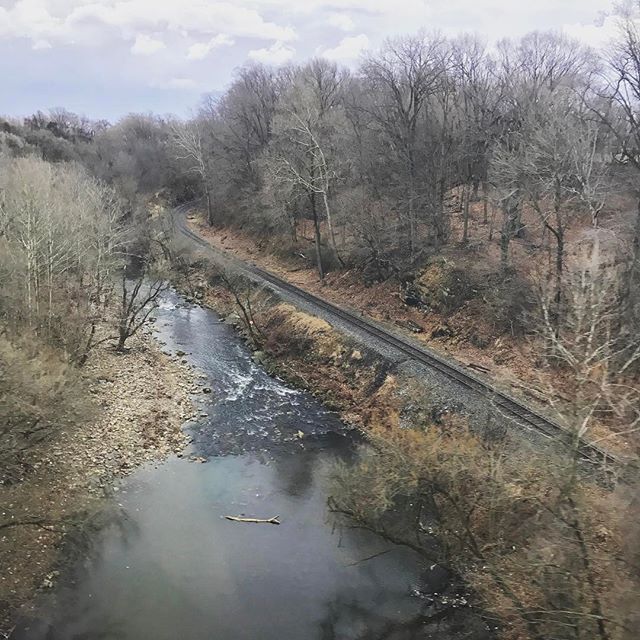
(521, 413)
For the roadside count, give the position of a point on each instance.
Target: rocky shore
(138, 402)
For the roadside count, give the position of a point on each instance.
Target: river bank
(171, 564)
(510, 500)
(138, 402)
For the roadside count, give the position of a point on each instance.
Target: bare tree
(61, 245)
(594, 345)
(188, 140)
(307, 119)
(139, 299)
(617, 107)
(401, 78)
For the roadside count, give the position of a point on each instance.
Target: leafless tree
(139, 298)
(401, 79)
(190, 148)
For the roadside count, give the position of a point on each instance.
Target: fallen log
(478, 367)
(273, 520)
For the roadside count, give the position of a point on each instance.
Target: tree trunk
(485, 201)
(631, 274)
(317, 235)
(559, 265)
(510, 213)
(558, 234)
(122, 337)
(332, 235)
(209, 207)
(466, 196)
(411, 226)
(505, 238)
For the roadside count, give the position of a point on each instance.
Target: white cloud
(201, 50)
(77, 33)
(39, 45)
(348, 50)
(71, 21)
(341, 21)
(277, 54)
(146, 45)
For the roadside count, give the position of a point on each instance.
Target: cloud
(124, 39)
(348, 50)
(277, 54)
(201, 50)
(341, 21)
(146, 45)
(94, 21)
(39, 45)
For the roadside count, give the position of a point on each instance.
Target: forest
(496, 187)
(509, 176)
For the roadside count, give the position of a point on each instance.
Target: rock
(442, 331)
(180, 353)
(232, 318)
(260, 357)
(501, 357)
(410, 325)
(478, 341)
(206, 390)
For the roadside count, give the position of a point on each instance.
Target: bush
(539, 548)
(510, 302)
(39, 391)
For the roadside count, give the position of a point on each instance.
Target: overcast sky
(105, 58)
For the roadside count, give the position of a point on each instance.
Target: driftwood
(478, 367)
(273, 520)
(410, 325)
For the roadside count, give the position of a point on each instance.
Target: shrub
(39, 391)
(510, 301)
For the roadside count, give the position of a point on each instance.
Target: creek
(172, 567)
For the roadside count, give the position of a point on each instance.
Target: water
(171, 567)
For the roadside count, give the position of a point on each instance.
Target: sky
(107, 58)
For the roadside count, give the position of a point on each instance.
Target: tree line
(431, 145)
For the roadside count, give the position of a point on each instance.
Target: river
(172, 567)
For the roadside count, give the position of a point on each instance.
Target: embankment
(507, 518)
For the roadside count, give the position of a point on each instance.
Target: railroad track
(513, 408)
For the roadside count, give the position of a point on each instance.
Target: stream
(172, 567)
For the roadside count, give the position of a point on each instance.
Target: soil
(141, 400)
